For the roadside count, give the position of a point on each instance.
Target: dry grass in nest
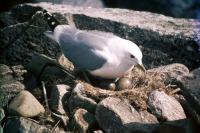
(143, 84)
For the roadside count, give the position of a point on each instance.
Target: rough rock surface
(171, 39)
(190, 87)
(86, 3)
(175, 8)
(59, 95)
(116, 115)
(64, 119)
(1, 129)
(188, 108)
(25, 104)
(178, 126)
(9, 86)
(79, 100)
(83, 120)
(23, 125)
(173, 71)
(148, 117)
(165, 107)
(2, 114)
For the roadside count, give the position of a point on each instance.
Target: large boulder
(165, 107)
(115, 115)
(23, 125)
(191, 88)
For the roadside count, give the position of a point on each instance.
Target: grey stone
(190, 86)
(188, 108)
(83, 120)
(98, 131)
(60, 130)
(85, 3)
(78, 99)
(178, 126)
(173, 8)
(64, 119)
(165, 107)
(23, 125)
(9, 86)
(37, 63)
(1, 129)
(59, 95)
(148, 117)
(2, 114)
(116, 116)
(25, 104)
(27, 40)
(173, 71)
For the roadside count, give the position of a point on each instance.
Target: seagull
(101, 54)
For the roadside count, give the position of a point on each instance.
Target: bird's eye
(132, 56)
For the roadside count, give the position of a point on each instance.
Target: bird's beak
(141, 67)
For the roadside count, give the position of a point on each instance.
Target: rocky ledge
(164, 100)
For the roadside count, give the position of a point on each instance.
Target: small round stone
(124, 83)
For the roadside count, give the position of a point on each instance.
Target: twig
(45, 96)
(170, 85)
(53, 129)
(176, 90)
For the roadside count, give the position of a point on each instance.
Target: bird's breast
(110, 71)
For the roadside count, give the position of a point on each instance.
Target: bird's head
(134, 55)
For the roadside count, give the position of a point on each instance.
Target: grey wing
(80, 50)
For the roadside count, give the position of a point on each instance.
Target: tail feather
(52, 22)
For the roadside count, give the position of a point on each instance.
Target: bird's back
(81, 47)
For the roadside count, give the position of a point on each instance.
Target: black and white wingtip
(52, 22)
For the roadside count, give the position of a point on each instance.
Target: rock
(2, 114)
(148, 117)
(64, 119)
(113, 115)
(79, 100)
(173, 71)
(165, 107)
(23, 125)
(168, 7)
(62, 60)
(189, 110)
(98, 131)
(190, 86)
(178, 126)
(85, 3)
(157, 38)
(60, 130)
(21, 46)
(59, 95)
(148, 125)
(25, 104)
(1, 129)
(9, 86)
(37, 64)
(83, 120)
